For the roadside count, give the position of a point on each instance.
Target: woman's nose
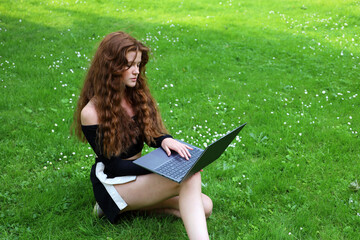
(136, 70)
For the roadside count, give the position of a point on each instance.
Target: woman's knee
(194, 179)
(208, 205)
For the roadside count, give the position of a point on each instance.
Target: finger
(186, 157)
(182, 153)
(187, 153)
(188, 147)
(167, 150)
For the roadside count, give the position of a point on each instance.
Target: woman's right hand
(169, 144)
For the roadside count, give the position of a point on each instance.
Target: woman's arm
(159, 140)
(115, 166)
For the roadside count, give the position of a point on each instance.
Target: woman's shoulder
(89, 115)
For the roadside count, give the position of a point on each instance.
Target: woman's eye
(131, 65)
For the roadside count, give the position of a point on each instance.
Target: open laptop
(177, 168)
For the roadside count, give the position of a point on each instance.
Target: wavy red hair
(103, 84)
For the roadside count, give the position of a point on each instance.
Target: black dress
(107, 172)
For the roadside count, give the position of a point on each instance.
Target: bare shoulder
(89, 115)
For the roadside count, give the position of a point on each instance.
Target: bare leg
(152, 191)
(192, 209)
(171, 206)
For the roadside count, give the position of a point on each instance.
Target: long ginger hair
(103, 84)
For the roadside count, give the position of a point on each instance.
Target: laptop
(177, 168)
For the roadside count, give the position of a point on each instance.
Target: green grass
(288, 68)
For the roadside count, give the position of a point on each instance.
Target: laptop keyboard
(178, 166)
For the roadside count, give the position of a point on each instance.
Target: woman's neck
(127, 107)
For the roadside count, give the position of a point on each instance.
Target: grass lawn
(290, 69)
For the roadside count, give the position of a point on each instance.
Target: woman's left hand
(169, 144)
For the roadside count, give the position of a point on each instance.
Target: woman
(116, 114)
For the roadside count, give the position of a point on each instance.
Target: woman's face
(130, 75)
